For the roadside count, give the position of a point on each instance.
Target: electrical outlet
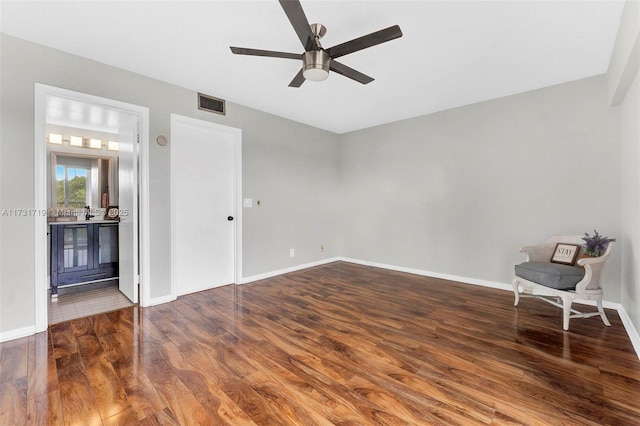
(321, 248)
(292, 253)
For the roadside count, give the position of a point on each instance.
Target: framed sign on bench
(565, 254)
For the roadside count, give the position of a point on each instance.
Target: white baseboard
(272, 274)
(626, 320)
(430, 274)
(631, 330)
(160, 300)
(17, 333)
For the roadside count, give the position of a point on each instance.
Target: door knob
(229, 218)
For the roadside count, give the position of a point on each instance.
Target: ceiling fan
(317, 61)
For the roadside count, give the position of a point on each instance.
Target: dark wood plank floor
(336, 344)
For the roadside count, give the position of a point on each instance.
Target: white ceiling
(452, 53)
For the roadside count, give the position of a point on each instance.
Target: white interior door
(128, 206)
(203, 204)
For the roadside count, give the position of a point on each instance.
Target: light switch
(247, 202)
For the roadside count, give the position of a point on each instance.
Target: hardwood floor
(335, 344)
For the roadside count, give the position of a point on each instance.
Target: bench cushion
(554, 275)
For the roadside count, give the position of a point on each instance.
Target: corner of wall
(625, 58)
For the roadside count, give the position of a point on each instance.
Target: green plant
(596, 244)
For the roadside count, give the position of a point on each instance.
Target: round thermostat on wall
(162, 140)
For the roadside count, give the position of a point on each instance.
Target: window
(81, 180)
(73, 183)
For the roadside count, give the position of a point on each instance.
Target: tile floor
(85, 303)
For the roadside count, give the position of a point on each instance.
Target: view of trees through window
(71, 184)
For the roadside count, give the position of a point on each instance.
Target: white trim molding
(41, 285)
(272, 274)
(430, 274)
(628, 325)
(160, 300)
(17, 333)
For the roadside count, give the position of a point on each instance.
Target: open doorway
(89, 154)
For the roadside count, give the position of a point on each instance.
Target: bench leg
(605, 320)
(516, 285)
(566, 312)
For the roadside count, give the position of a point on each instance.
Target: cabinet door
(74, 248)
(106, 249)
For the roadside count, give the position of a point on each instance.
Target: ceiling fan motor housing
(315, 65)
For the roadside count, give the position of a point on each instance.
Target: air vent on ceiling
(211, 104)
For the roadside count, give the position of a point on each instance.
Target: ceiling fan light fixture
(315, 65)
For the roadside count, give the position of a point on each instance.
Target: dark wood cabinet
(83, 253)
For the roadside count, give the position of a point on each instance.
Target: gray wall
(458, 192)
(282, 162)
(291, 169)
(624, 90)
(630, 220)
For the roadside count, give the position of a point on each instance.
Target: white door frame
(42, 92)
(236, 135)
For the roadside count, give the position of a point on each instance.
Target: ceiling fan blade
(297, 80)
(349, 72)
(363, 42)
(298, 19)
(269, 53)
